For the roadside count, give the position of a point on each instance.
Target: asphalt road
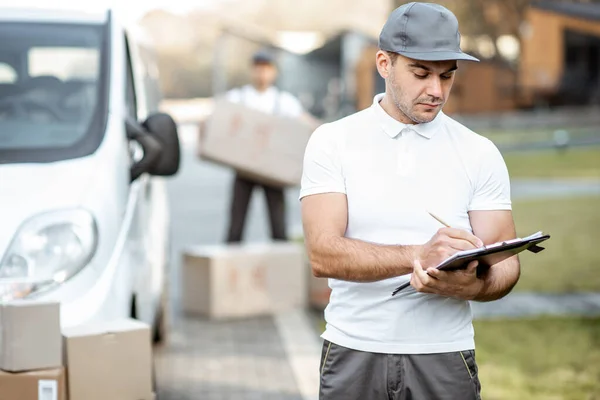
(231, 360)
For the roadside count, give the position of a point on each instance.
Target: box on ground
(267, 148)
(46, 384)
(30, 336)
(319, 292)
(111, 360)
(226, 281)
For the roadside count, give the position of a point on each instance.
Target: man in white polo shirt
(369, 184)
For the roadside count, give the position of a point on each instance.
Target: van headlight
(47, 250)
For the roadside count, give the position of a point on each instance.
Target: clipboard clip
(535, 248)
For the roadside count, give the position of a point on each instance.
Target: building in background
(188, 44)
(327, 78)
(327, 58)
(560, 56)
(559, 65)
(479, 87)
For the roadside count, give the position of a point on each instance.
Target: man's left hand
(460, 284)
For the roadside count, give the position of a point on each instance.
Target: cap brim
(439, 56)
(261, 60)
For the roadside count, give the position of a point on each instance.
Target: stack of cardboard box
(245, 280)
(31, 352)
(38, 361)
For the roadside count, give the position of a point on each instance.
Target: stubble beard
(405, 107)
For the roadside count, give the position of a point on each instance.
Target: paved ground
(518, 305)
(228, 360)
(263, 358)
(275, 357)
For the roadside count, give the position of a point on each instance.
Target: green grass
(535, 135)
(549, 358)
(539, 359)
(511, 137)
(573, 163)
(571, 260)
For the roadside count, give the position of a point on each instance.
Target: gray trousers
(348, 374)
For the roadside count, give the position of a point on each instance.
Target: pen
(441, 221)
(407, 284)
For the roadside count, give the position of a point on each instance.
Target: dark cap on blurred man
(263, 57)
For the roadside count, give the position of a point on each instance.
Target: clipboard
(489, 255)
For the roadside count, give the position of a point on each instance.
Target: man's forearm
(500, 280)
(358, 261)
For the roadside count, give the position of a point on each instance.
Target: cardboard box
(228, 281)
(110, 360)
(319, 292)
(267, 148)
(46, 384)
(30, 336)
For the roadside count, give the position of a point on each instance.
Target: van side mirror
(150, 147)
(164, 129)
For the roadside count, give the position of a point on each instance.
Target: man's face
(419, 89)
(263, 74)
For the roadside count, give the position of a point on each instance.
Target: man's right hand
(445, 243)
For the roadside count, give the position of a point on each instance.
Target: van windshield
(53, 93)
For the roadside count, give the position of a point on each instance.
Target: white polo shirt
(392, 174)
(271, 101)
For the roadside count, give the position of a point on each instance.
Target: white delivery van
(83, 154)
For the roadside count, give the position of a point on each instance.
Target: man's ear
(383, 63)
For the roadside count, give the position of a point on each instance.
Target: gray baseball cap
(423, 31)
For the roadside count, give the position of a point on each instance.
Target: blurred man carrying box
(261, 132)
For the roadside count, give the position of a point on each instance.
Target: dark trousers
(242, 192)
(348, 374)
